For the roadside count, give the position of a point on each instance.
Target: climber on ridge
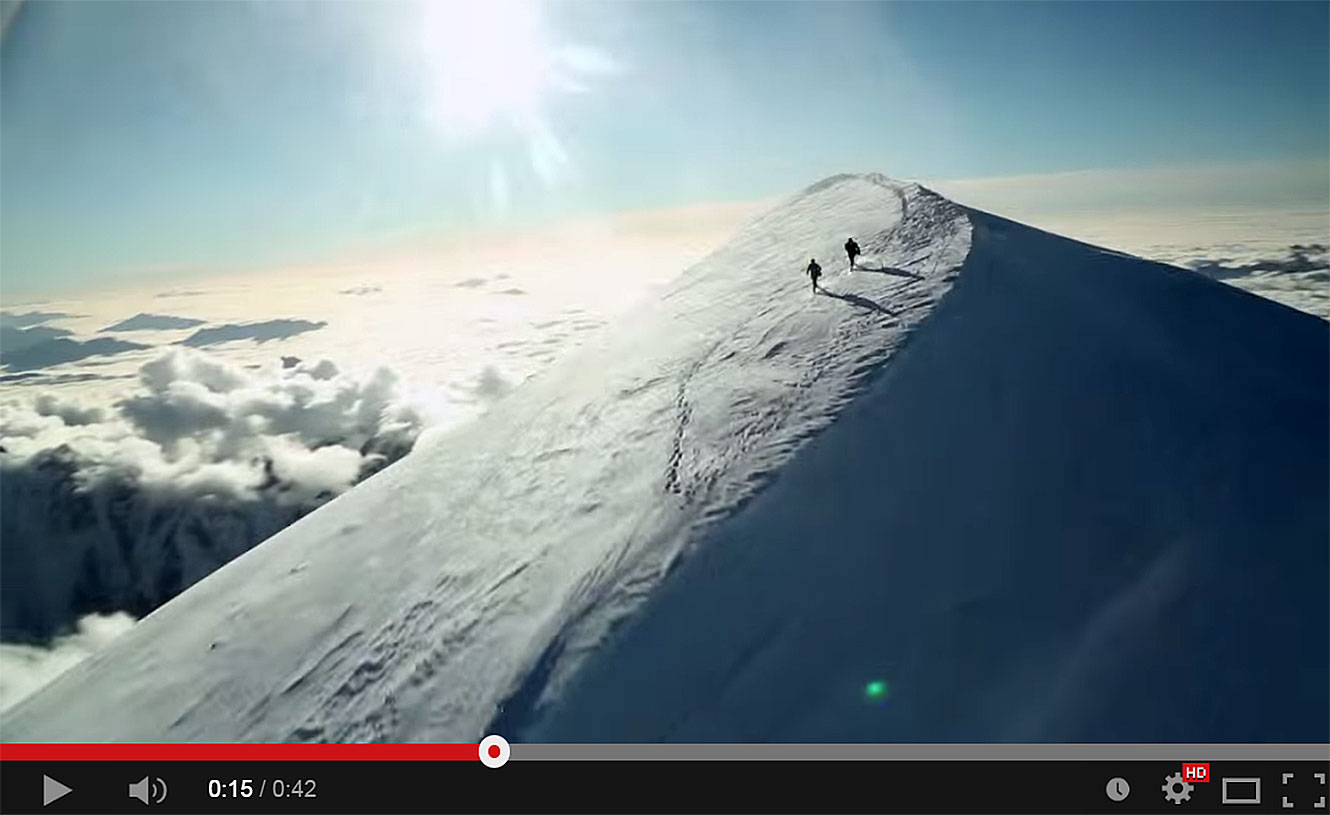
(852, 249)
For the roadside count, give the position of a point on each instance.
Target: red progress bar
(239, 752)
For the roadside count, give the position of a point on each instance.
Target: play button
(53, 790)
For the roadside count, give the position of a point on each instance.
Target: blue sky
(141, 137)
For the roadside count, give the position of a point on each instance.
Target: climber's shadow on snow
(858, 300)
(891, 270)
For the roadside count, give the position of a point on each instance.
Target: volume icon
(149, 790)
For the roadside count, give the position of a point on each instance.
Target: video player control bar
(501, 780)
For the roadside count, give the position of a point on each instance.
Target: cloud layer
(120, 508)
(200, 425)
(25, 668)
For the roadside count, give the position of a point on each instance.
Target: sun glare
(491, 73)
(492, 64)
(488, 64)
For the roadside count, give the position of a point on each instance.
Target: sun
(491, 71)
(487, 64)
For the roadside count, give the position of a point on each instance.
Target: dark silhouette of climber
(814, 271)
(852, 249)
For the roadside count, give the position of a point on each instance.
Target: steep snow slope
(1087, 502)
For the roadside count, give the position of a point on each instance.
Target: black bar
(410, 787)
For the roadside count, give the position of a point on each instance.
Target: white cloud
(25, 668)
(48, 404)
(200, 425)
(314, 471)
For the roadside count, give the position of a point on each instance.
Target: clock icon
(1118, 789)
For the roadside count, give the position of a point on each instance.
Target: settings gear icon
(1175, 789)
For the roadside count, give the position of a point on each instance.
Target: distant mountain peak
(144, 321)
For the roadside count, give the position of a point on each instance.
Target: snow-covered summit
(1087, 501)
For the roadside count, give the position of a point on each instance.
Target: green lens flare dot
(876, 691)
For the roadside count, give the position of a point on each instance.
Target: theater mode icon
(1241, 791)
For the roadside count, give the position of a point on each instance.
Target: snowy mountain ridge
(526, 574)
